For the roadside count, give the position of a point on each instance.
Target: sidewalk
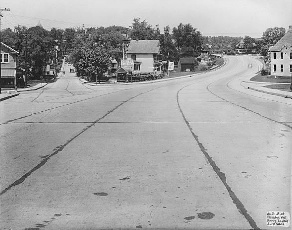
(251, 85)
(9, 93)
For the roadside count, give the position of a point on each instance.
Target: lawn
(282, 87)
(270, 78)
(219, 62)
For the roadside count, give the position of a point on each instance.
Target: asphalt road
(195, 152)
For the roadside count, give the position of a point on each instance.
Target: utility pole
(5, 9)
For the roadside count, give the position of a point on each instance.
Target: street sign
(170, 65)
(127, 64)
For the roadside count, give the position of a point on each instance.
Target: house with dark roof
(144, 54)
(187, 64)
(281, 55)
(242, 49)
(8, 66)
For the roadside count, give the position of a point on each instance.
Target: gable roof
(143, 47)
(285, 41)
(187, 60)
(9, 48)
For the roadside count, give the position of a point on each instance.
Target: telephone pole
(1, 10)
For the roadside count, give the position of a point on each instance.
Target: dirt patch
(189, 217)
(100, 193)
(206, 215)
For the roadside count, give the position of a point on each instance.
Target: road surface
(196, 152)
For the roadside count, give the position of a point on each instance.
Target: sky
(210, 17)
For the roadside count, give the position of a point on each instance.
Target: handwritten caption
(277, 218)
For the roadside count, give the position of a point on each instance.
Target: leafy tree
(8, 37)
(270, 37)
(167, 47)
(143, 31)
(36, 49)
(188, 40)
(69, 36)
(40, 47)
(91, 60)
(249, 42)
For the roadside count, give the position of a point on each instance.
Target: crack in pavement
(247, 109)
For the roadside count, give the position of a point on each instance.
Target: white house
(144, 54)
(8, 66)
(281, 55)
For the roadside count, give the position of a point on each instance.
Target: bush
(265, 72)
(202, 68)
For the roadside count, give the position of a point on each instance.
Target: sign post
(170, 67)
(127, 64)
(5, 9)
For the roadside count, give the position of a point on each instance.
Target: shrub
(202, 67)
(265, 72)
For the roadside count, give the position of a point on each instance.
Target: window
(275, 55)
(291, 55)
(137, 66)
(275, 68)
(290, 68)
(282, 68)
(282, 55)
(133, 56)
(4, 58)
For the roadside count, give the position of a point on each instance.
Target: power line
(31, 21)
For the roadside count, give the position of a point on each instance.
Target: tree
(167, 47)
(249, 42)
(188, 40)
(9, 37)
(91, 60)
(40, 50)
(143, 31)
(270, 37)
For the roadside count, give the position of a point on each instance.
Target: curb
(271, 93)
(31, 89)
(158, 80)
(10, 96)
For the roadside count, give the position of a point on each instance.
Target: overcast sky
(210, 17)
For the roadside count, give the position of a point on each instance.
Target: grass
(281, 83)
(282, 87)
(271, 79)
(218, 62)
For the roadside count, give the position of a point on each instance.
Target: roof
(143, 47)
(187, 60)
(285, 41)
(121, 70)
(8, 47)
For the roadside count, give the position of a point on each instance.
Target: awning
(8, 73)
